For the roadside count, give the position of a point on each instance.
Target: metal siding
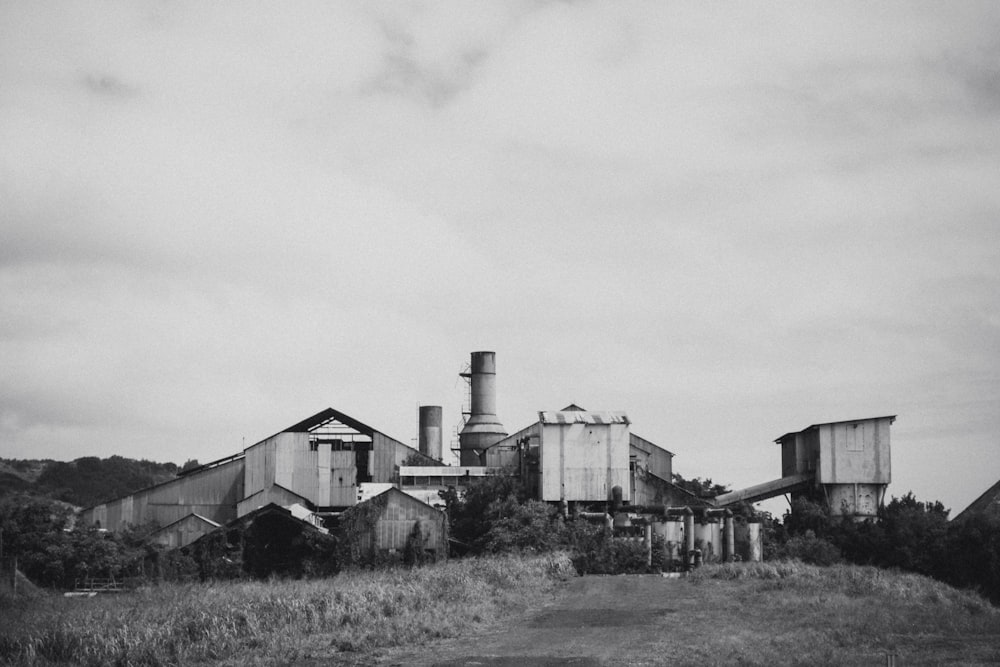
(584, 461)
(259, 464)
(212, 492)
(299, 456)
(655, 459)
(384, 463)
(284, 459)
(505, 452)
(854, 452)
(323, 472)
(273, 494)
(342, 485)
(400, 514)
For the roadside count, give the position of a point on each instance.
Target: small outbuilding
(393, 526)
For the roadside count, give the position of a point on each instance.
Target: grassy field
(274, 622)
(790, 613)
(759, 614)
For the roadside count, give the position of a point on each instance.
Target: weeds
(355, 611)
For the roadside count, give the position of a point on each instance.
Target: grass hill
(82, 482)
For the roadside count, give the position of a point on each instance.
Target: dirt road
(594, 621)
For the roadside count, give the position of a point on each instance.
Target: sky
(731, 220)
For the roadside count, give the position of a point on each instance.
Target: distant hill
(83, 482)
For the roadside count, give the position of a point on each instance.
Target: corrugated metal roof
(891, 418)
(583, 417)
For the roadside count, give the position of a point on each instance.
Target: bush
(532, 526)
(811, 549)
(596, 551)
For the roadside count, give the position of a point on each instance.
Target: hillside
(84, 481)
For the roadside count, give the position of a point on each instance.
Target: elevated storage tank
(429, 437)
(483, 429)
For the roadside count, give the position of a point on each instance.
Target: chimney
(483, 428)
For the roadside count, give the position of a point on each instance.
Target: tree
(467, 513)
(703, 488)
(515, 526)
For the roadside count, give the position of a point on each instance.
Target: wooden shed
(393, 525)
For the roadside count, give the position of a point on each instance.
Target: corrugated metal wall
(655, 459)
(584, 461)
(854, 452)
(259, 466)
(212, 493)
(398, 519)
(343, 490)
(272, 494)
(387, 455)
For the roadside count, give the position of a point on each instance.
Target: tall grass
(850, 611)
(355, 611)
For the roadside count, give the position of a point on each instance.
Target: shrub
(811, 549)
(530, 526)
(596, 551)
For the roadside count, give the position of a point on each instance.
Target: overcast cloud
(731, 220)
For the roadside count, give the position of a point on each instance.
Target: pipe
(688, 538)
(729, 538)
(647, 537)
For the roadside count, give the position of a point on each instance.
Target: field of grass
(274, 622)
(752, 614)
(791, 613)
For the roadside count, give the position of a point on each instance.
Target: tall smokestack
(483, 428)
(429, 437)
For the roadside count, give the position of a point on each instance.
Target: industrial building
(844, 463)
(320, 463)
(589, 463)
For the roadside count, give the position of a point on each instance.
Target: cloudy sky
(731, 220)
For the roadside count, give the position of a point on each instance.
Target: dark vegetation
(910, 535)
(85, 482)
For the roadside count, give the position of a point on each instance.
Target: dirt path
(595, 621)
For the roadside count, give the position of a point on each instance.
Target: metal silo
(429, 437)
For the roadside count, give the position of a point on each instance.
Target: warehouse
(319, 463)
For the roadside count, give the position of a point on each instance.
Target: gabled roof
(891, 419)
(982, 504)
(194, 515)
(402, 494)
(326, 416)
